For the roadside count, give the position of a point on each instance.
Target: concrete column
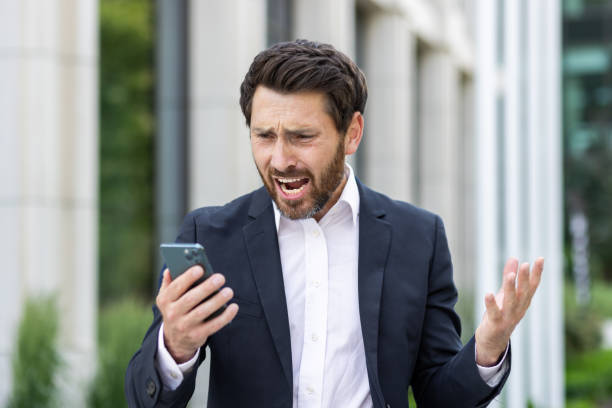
(545, 202)
(326, 21)
(536, 204)
(389, 67)
(440, 141)
(172, 121)
(49, 156)
(487, 227)
(331, 22)
(515, 231)
(220, 161)
(550, 29)
(219, 151)
(464, 252)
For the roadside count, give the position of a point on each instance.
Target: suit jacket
(406, 299)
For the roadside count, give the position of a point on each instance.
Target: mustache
(290, 174)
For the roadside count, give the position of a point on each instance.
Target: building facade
(49, 162)
(463, 119)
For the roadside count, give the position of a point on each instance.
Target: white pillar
(486, 155)
(389, 68)
(551, 32)
(49, 156)
(536, 212)
(220, 161)
(326, 21)
(464, 255)
(514, 191)
(440, 141)
(487, 204)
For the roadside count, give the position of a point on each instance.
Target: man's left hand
(506, 309)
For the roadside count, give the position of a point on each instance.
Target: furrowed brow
(261, 131)
(301, 131)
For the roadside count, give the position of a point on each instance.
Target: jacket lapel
(374, 242)
(262, 248)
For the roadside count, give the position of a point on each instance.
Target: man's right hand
(185, 330)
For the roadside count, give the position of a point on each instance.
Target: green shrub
(582, 325)
(601, 295)
(121, 327)
(588, 378)
(127, 251)
(36, 360)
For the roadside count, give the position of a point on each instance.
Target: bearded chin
(331, 178)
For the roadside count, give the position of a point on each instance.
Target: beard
(321, 190)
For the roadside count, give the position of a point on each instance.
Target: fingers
(509, 282)
(214, 325)
(205, 309)
(493, 311)
(510, 267)
(535, 276)
(165, 279)
(195, 295)
(518, 287)
(180, 285)
(161, 295)
(522, 281)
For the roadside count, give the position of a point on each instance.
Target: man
(340, 296)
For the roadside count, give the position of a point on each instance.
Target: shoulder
(228, 215)
(403, 216)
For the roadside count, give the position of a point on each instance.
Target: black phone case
(180, 257)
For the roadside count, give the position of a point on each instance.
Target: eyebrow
(292, 132)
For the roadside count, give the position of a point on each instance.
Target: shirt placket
(315, 316)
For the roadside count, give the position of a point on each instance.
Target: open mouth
(292, 187)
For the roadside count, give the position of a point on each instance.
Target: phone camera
(188, 255)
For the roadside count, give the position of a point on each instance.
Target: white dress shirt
(319, 262)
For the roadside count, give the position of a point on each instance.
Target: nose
(283, 155)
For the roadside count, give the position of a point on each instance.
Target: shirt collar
(350, 195)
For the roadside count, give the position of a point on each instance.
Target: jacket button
(388, 406)
(151, 388)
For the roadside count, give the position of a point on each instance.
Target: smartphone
(180, 257)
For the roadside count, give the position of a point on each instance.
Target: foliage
(601, 298)
(121, 325)
(582, 325)
(36, 361)
(586, 184)
(588, 369)
(126, 148)
(588, 379)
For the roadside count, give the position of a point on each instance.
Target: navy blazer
(406, 299)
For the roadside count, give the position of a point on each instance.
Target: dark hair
(304, 65)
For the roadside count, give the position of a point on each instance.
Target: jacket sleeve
(143, 386)
(446, 373)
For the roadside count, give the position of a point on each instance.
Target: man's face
(297, 150)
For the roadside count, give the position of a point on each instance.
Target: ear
(353, 134)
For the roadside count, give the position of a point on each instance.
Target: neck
(334, 197)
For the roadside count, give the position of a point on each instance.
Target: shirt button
(315, 284)
(315, 233)
(310, 390)
(314, 337)
(173, 374)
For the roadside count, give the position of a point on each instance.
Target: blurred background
(119, 116)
